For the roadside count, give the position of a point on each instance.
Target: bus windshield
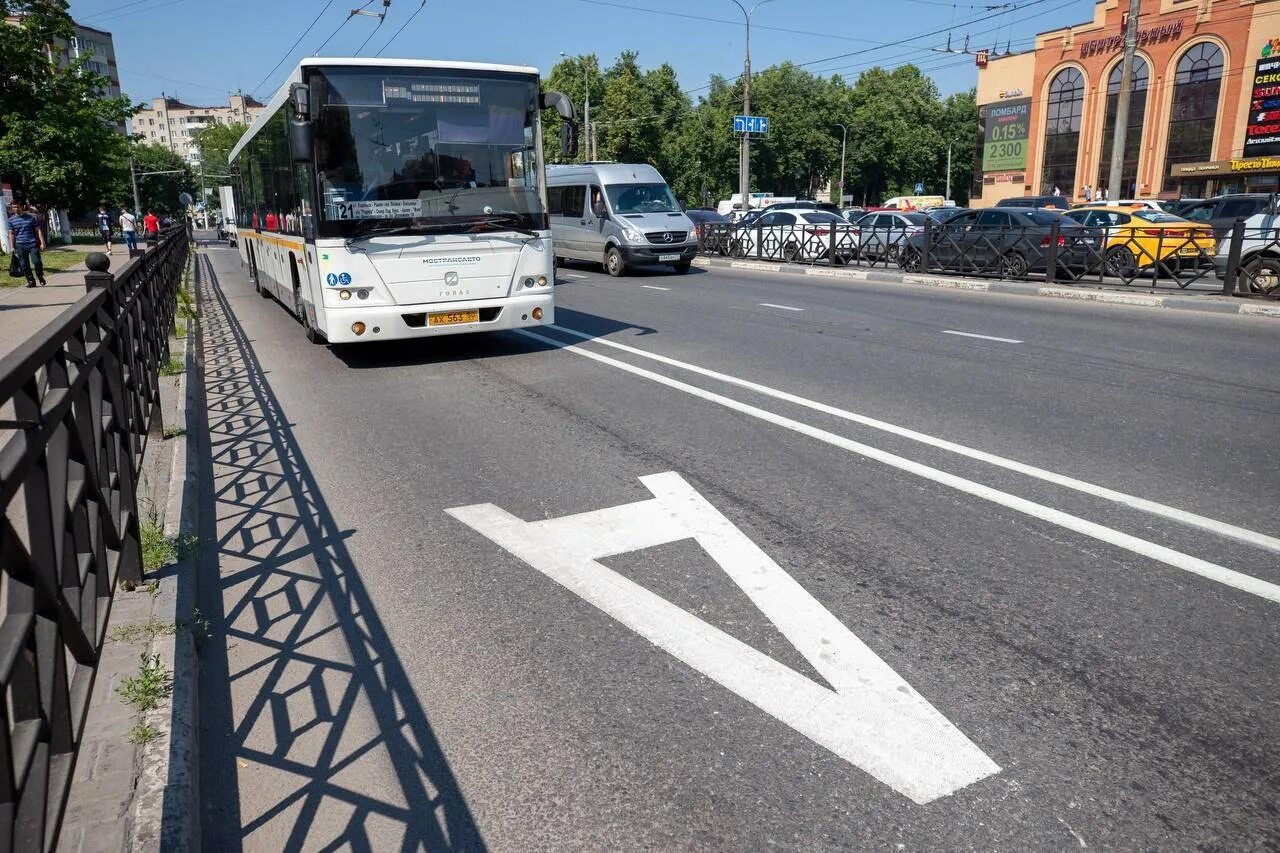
(425, 150)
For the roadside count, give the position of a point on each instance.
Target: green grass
(158, 550)
(134, 631)
(173, 367)
(145, 690)
(143, 733)
(55, 260)
(174, 432)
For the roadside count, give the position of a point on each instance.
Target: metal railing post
(97, 276)
(1051, 260)
(926, 247)
(1236, 246)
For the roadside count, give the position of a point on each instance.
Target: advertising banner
(1262, 130)
(1006, 136)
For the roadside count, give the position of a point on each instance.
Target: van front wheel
(682, 267)
(614, 265)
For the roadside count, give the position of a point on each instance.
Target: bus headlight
(542, 281)
(528, 282)
(362, 293)
(344, 295)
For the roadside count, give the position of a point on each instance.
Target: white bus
(399, 198)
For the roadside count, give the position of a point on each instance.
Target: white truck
(227, 224)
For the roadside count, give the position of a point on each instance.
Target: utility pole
(1114, 189)
(949, 144)
(844, 137)
(744, 154)
(133, 177)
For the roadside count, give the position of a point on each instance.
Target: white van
(618, 215)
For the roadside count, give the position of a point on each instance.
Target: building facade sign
(1006, 139)
(1219, 168)
(1111, 44)
(1262, 128)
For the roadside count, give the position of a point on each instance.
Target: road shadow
(451, 348)
(654, 271)
(312, 736)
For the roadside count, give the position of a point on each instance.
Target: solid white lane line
(654, 287)
(783, 307)
(1221, 528)
(981, 337)
(1168, 556)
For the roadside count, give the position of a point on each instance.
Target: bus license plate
(667, 259)
(448, 318)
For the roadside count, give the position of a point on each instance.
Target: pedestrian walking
(151, 225)
(129, 230)
(1088, 193)
(1056, 191)
(104, 228)
(27, 240)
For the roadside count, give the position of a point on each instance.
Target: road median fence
(79, 403)
(1166, 257)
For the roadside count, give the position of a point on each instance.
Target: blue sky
(202, 50)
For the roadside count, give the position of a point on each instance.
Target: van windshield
(641, 198)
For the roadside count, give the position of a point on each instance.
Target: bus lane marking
(872, 718)
(1220, 528)
(1142, 547)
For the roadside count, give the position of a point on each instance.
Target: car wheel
(791, 252)
(911, 260)
(1263, 275)
(1013, 265)
(614, 265)
(1120, 263)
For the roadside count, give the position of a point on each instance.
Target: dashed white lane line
(783, 307)
(1220, 528)
(981, 337)
(653, 287)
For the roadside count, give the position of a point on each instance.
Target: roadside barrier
(79, 402)
(1163, 256)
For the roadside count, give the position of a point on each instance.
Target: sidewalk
(1089, 291)
(24, 310)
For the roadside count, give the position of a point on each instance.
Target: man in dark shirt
(104, 227)
(28, 241)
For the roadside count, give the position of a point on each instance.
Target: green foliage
(145, 690)
(134, 631)
(60, 139)
(158, 550)
(156, 192)
(215, 142)
(898, 129)
(172, 367)
(143, 733)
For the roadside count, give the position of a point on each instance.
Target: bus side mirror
(559, 102)
(302, 132)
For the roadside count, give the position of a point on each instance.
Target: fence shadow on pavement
(312, 736)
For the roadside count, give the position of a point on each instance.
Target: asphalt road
(896, 586)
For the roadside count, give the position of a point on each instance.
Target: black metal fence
(78, 401)
(1150, 256)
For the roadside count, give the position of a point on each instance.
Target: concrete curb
(1206, 303)
(166, 802)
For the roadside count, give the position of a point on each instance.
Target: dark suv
(1036, 201)
(1222, 211)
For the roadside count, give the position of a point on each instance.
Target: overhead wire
(406, 23)
(386, 4)
(345, 20)
(292, 47)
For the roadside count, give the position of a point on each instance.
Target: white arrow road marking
(982, 337)
(873, 718)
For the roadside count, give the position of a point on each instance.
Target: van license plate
(448, 318)
(667, 259)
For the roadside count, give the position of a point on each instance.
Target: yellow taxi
(1138, 237)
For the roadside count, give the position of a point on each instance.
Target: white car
(883, 232)
(795, 234)
(1148, 203)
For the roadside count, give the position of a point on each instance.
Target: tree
(960, 120)
(61, 140)
(214, 142)
(571, 77)
(894, 135)
(157, 192)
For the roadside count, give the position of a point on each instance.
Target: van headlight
(632, 233)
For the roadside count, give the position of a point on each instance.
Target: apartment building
(174, 124)
(95, 44)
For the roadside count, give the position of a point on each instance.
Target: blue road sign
(750, 124)
(919, 188)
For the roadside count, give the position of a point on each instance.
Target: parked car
(700, 218)
(1010, 241)
(1222, 211)
(794, 234)
(853, 214)
(881, 234)
(1055, 201)
(1259, 253)
(1179, 206)
(942, 214)
(1136, 238)
(1148, 203)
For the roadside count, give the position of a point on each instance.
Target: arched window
(1133, 137)
(1062, 131)
(1196, 87)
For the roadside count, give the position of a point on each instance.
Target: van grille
(661, 236)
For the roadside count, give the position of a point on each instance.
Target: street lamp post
(844, 136)
(744, 155)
